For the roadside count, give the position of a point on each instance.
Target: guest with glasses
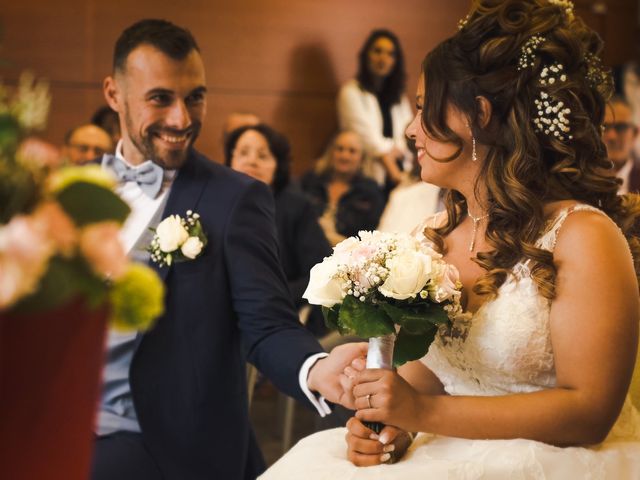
(86, 143)
(619, 135)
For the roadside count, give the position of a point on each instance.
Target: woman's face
(382, 57)
(430, 151)
(252, 156)
(346, 155)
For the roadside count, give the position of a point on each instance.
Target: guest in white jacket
(375, 106)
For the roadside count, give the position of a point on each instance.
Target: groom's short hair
(173, 41)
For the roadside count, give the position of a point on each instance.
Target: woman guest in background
(374, 105)
(412, 199)
(262, 153)
(345, 200)
(530, 383)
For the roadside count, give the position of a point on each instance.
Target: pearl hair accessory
(551, 117)
(528, 51)
(463, 22)
(567, 5)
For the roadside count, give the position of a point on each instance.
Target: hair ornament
(567, 5)
(552, 74)
(463, 22)
(528, 51)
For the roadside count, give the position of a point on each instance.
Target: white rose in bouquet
(325, 287)
(171, 234)
(409, 271)
(192, 247)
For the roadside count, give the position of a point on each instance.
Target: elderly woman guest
(374, 105)
(262, 153)
(345, 200)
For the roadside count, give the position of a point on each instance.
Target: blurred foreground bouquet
(59, 227)
(391, 288)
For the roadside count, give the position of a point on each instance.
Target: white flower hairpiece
(552, 74)
(551, 118)
(463, 22)
(528, 50)
(567, 5)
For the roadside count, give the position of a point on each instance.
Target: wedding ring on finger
(368, 397)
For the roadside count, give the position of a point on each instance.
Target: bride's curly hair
(524, 168)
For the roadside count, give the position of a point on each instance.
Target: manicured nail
(384, 438)
(374, 436)
(389, 448)
(385, 457)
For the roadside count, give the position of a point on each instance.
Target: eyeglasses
(618, 127)
(83, 148)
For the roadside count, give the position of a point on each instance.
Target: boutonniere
(177, 239)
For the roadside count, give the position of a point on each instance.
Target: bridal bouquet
(387, 286)
(59, 227)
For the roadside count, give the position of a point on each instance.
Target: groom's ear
(485, 110)
(112, 93)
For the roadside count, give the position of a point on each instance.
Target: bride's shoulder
(577, 230)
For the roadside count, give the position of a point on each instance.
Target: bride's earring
(474, 154)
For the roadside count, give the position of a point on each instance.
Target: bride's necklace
(476, 221)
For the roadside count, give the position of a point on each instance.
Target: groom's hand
(327, 374)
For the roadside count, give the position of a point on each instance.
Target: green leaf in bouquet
(87, 203)
(331, 317)
(64, 280)
(363, 319)
(409, 347)
(9, 133)
(416, 319)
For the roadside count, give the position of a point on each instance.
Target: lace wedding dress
(505, 347)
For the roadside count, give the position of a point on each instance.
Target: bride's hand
(365, 448)
(384, 396)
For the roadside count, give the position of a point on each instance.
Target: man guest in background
(86, 143)
(174, 402)
(619, 136)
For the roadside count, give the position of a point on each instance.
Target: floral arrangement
(177, 239)
(380, 284)
(59, 228)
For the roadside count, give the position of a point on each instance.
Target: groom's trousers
(123, 456)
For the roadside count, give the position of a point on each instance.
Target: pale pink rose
(447, 282)
(24, 256)
(100, 245)
(40, 153)
(57, 226)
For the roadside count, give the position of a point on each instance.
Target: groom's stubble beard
(171, 159)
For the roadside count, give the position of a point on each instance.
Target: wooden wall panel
(282, 59)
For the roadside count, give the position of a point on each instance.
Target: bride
(532, 382)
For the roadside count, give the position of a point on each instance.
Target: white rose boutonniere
(177, 239)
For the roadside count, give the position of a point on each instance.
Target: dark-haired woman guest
(262, 153)
(375, 106)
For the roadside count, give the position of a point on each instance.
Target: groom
(174, 403)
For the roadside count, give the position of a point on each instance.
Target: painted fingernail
(389, 448)
(384, 438)
(374, 436)
(385, 457)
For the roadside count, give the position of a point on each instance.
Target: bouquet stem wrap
(380, 355)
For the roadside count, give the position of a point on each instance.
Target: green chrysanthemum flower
(137, 299)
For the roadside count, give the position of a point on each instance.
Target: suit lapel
(185, 193)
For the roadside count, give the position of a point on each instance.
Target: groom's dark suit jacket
(231, 304)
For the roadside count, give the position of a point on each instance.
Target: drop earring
(474, 154)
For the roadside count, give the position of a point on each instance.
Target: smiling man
(174, 402)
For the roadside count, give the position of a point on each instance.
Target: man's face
(619, 133)
(161, 103)
(86, 144)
